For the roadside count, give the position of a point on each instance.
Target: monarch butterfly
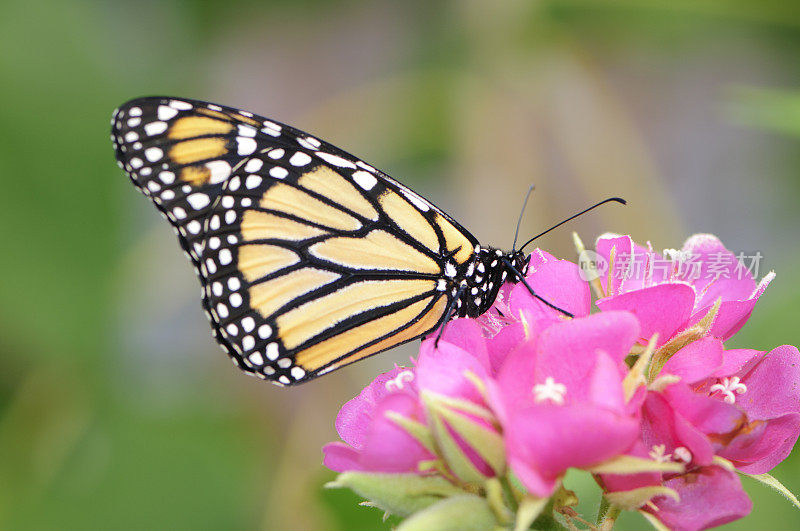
(309, 258)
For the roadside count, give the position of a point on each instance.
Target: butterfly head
(484, 277)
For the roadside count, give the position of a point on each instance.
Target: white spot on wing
(166, 113)
(153, 154)
(198, 200)
(253, 165)
(247, 130)
(417, 200)
(180, 105)
(155, 128)
(278, 172)
(220, 170)
(299, 159)
(335, 160)
(246, 145)
(365, 180)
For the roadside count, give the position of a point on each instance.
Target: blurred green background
(116, 408)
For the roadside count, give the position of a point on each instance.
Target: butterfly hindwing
(310, 259)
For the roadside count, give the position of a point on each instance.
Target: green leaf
(465, 513)
(770, 481)
(400, 494)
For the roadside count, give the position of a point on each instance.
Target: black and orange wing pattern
(310, 259)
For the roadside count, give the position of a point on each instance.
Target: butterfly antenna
(521, 212)
(582, 212)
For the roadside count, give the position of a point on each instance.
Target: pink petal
(355, 416)
(569, 342)
(773, 386)
(501, 345)
(718, 264)
(728, 289)
(605, 389)
(556, 281)
(707, 414)
(340, 457)
(730, 319)
(517, 377)
(537, 483)
(661, 424)
(709, 497)
(388, 447)
(662, 309)
(442, 369)
(622, 245)
(466, 334)
(696, 361)
(764, 444)
(736, 360)
(551, 438)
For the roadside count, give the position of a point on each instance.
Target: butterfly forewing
(310, 259)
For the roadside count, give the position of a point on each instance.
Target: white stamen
(397, 383)
(728, 386)
(550, 390)
(658, 453)
(683, 454)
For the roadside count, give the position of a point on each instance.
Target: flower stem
(610, 518)
(510, 492)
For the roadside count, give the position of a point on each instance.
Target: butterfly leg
(449, 313)
(521, 278)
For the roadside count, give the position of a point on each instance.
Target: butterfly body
(309, 258)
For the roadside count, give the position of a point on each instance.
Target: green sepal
(770, 481)
(655, 522)
(530, 508)
(485, 441)
(628, 464)
(467, 512)
(400, 494)
(630, 500)
(495, 496)
(724, 463)
(417, 430)
(698, 331)
(449, 450)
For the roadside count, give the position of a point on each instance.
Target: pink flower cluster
(642, 373)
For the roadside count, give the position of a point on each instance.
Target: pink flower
(675, 427)
(764, 387)
(742, 405)
(560, 399)
(373, 442)
(709, 497)
(669, 295)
